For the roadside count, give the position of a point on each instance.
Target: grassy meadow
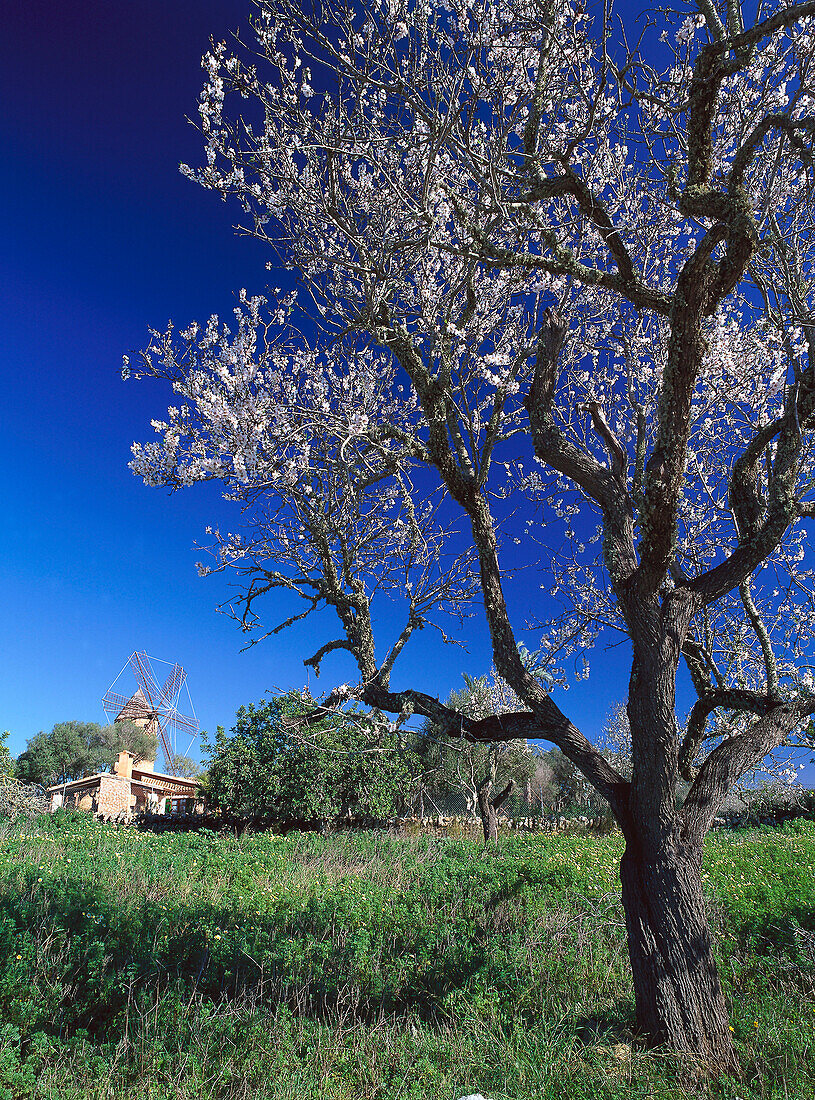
(366, 967)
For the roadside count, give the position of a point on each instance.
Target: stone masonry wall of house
(114, 795)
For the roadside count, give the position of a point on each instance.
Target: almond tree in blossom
(554, 298)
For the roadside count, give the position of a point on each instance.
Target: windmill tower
(155, 708)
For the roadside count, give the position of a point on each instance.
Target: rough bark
(678, 996)
(488, 806)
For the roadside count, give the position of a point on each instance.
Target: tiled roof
(136, 707)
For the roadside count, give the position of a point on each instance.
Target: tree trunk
(679, 1000)
(488, 808)
(489, 818)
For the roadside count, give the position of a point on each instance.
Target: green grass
(364, 967)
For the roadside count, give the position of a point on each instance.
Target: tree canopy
(74, 749)
(484, 774)
(185, 765)
(276, 765)
(553, 301)
(127, 737)
(6, 759)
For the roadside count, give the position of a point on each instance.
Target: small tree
(486, 774)
(567, 788)
(6, 759)
(615, 740)
(540, 791)
(128, 737)
(185, 765)
(69, 751)
(279, 763)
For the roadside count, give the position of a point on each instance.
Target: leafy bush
(274, 765)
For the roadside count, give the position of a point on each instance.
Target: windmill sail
(152, 707)
(174, 683)
(140, 664)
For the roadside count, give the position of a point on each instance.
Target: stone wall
(114, 795)
(472, 829)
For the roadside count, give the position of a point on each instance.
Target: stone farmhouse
(131, 789)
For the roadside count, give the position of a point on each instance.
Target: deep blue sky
(102, 237)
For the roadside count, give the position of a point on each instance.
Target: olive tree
(553, 302)
(486, 774)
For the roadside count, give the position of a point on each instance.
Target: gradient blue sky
(102, 238)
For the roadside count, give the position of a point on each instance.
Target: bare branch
(723, 698)
(731, 759)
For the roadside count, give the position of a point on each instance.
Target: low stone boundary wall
(437, 826)
(471, 828)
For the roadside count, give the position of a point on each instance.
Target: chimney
(124, 765)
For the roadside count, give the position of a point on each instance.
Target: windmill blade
(113, 701)
(184, 722)
(172, 685)
(165, 744)
(140, 665)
